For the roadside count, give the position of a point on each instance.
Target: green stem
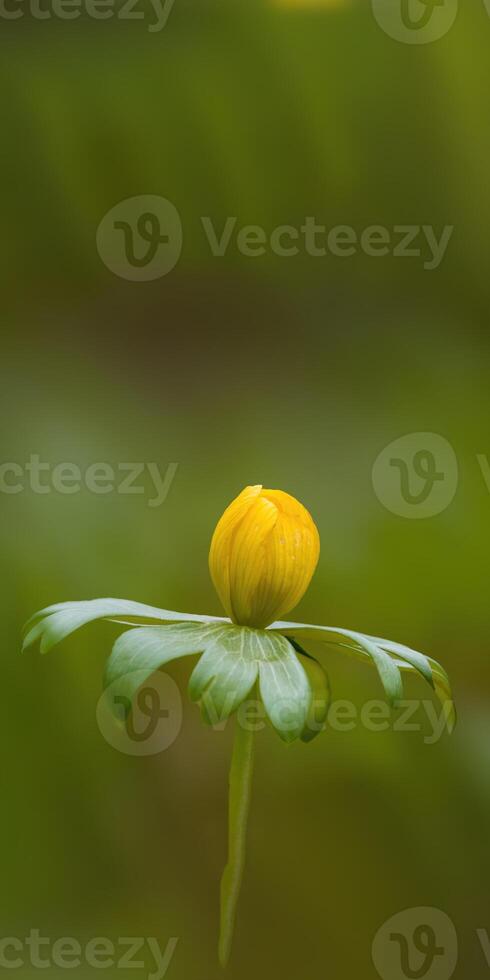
(241, 770)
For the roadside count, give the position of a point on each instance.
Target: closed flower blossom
(263, 554)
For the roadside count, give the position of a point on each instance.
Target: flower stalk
(240, 787)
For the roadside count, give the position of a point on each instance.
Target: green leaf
(417, 660)
(224, 676)
(233, 656)
(320, 697)
(361, 645)
(229, 668)
(388, 670)
(432, 671)
(443, 691)
(322, 634)
(53, 624)
(141, 651)
(366, 647)
(284, 685)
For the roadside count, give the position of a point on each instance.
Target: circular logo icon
(416, 476)
(417, 944)
(141, 238)
(147, 725)
(415, 21)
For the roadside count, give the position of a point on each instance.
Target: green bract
(234, 659)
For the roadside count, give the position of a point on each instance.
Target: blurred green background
(291, 372)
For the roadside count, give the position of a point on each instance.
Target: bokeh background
(291, 372)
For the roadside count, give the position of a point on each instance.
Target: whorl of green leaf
(293, 686)
(233, 659)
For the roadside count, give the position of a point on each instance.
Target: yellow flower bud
(263, 554)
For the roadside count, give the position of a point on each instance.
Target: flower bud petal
(263, 554)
